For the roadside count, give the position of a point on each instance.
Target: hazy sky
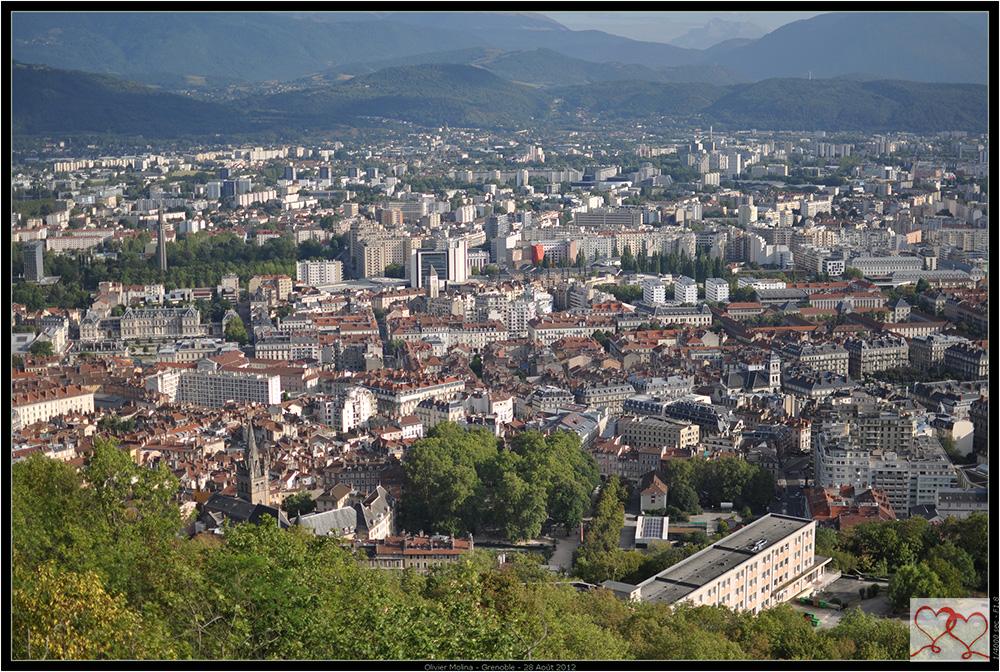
(665, 26)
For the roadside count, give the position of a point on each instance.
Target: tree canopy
(100, 572)
(459, 481)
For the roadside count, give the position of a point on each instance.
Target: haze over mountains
(255, 71)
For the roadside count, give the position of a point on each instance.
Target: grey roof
(238, 510)
(376, 506)
(340, 522)
(682, 578)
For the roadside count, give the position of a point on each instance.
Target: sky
(666, 26)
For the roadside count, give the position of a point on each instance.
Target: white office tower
(685, 290)
(654, 292)
(717, 290)
(458, 260)
(747, 214)
(432, 283)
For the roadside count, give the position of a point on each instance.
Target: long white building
(316, 273)
(207, 385)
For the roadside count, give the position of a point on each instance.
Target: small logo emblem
(949, 629)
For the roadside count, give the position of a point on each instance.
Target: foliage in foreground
(99, 572)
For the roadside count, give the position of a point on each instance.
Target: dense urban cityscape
(657, 389)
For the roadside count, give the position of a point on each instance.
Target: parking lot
(846, 589)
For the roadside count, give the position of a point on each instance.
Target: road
(563, 555)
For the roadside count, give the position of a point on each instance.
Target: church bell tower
(252, 473)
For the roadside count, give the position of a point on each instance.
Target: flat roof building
(768, 562)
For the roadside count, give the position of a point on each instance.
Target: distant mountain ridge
(258, 46)
(918, 46)
(472, 96)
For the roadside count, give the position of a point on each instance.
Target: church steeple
(252, 474)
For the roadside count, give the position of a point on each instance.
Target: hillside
(467, 95)
(631, 100)
(250, 46)
(544, 67)
(45, 100)
(430, 94)
(842, 104)
(918, 46)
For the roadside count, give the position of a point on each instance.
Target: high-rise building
(316, 273)
(34, 260)
(161, 243)
(424, 261)
(717, 289)
(747, 214)
(458, 260)
(432, 283)
(654, 292)
(685, 290)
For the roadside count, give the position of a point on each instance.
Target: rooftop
(678, 580)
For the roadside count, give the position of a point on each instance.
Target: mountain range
(458, 94)
(255, 46)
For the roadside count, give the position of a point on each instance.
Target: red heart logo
(927, 621)
(954, 623)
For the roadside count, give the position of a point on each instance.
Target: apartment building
(766, 563)
(43, 404)
(435, 411)
(288, 346)
(398, 393)
(818, 356)
(659, 432)
(548, 329)
(886, 265)
(349, 409)
(866, 356)
(910, 476)
(685, 290)
(927, 352)
(278, 286)
(605, 395)
(654, 292)
(160, 323)
(717, 290)
(190, 350)
(317, 273)
(967, 361)
(208, 385)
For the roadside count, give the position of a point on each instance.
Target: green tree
(914, 580)
(394, 271)
(41, 348)
(298, 504)
(684, 497)
(628, 260)
(236, 331)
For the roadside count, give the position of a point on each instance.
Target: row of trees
(624, 293)
(99, 572)
(700, 267)
(198, 260)
(459, 481)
